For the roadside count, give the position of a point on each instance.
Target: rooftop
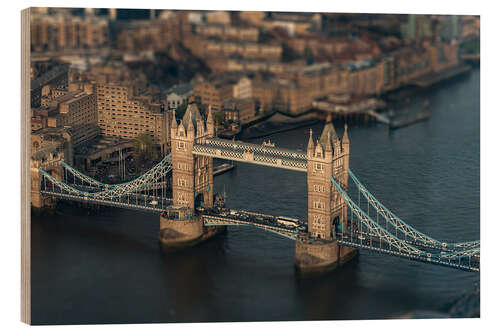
(180, 89)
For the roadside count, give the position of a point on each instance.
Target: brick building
(125, 114)
(218, 89)
(62, 31)
(228, 32)
(205, 48)
(74, 110)
(239, 110)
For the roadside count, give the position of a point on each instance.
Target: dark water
(108, 267)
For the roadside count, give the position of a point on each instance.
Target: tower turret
(210, 122)
(181, 131)
(328, 148)
(345, 139)
(346, 143)
(190, 124)
(173, 128)
(310, 145)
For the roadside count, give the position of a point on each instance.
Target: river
(107, 267)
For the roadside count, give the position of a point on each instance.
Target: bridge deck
(242, 217)
(252, 153)
(132, 201)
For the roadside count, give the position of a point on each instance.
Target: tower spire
(210, 118)
(210, 121)
(190, 119)
(310, 143)
(328, 145)
(345, 138)
(174, 120)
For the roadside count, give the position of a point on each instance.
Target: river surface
(107, 267)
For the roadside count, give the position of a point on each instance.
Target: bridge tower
(192, 180)
(327, 157)
(192, 176)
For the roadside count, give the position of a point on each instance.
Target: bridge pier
(179, 229)
(318, 256)
(38, 201)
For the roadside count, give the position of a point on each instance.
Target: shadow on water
(191, 283)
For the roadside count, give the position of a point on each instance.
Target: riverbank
(279, 123)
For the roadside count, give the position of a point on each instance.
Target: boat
(220, 169)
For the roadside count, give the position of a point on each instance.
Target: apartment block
(124, 113)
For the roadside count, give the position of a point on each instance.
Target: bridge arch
(199, 200)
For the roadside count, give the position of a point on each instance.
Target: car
(153, 203)
(361, 237)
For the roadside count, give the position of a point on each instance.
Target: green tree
(288, 54)
(219, 118)
(144, 148)
(308, 54)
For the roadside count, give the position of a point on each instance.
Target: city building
(76, 111)
(205, 48)
(334, 49)
(240, 111)
(155, 34)
(217, 89)
(234, 64)
(56, 77)
(62, 31)
(104, 150)
(218, 17)
(123, 112)
(178, 95)
(228, 32)
(417, 27)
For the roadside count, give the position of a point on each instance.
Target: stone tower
(192, 176)
(317, 249)
(326, 158)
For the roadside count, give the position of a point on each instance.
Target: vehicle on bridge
(288, 221)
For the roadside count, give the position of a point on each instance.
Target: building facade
(192, 176)
(63, 31)
(328, 158)
(178, 95)
(123, 114)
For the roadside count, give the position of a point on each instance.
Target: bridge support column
(38, 201)
(315, 257)
(179, 230)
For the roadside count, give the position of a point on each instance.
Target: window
(181, 199)
(181, 182)
(318, 166)
(319, 204)
(319, 188)
(181, 146)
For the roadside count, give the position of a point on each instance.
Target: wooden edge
(25, 169)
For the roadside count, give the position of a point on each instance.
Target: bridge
(343, 215)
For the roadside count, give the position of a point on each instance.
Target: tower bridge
(342, 217)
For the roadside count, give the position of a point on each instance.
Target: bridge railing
(164, 165)
(404, 228)
(146, 180)
(376, 233)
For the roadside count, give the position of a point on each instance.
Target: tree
(144, 148)
(219, 118)
(308, 54)
(288, 54)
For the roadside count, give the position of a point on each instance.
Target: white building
(178, 94)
